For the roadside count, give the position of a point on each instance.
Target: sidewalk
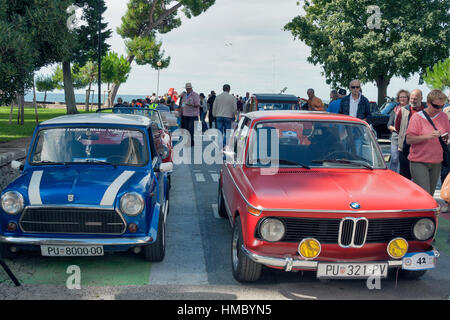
(13, 150)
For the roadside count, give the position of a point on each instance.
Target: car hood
(78, 186)
(336, 189)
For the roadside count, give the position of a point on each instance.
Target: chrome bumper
(76, 242)
(289, 263)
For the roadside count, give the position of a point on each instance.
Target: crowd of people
(419, 130)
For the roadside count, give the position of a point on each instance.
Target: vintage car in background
(311, 191)
(380, 118)
(265, 101)
(156, 116)
(91, 183)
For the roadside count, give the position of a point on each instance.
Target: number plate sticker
(71, 251)
(352, 270)
(419, 261)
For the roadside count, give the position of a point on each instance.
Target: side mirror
(17, 165)
(164, 167)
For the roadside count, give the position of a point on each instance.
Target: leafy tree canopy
(410, 36)
(438, 76)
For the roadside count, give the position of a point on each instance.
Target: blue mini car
(91, 184)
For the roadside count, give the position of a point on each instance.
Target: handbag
(445, 154)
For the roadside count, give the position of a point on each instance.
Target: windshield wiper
(46, 162)
(94, 161)
(345, 161)
(284, 161)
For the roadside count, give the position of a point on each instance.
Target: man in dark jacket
(210, 103)
(355, 104)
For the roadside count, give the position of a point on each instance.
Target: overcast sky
(240, 42)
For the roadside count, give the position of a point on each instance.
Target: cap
(188, 85)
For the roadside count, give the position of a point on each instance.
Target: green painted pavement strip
(109, 270)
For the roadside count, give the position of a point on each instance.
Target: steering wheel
(340, 153)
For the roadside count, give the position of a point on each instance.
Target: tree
(89, 74)
(145, 19)
(115, 70)
(45, 84)
(84, 46)
(406, 38)
(438, 76)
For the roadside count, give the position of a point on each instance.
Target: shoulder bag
(446, 155)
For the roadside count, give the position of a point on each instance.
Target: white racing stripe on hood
(113, 189)
(34, 191)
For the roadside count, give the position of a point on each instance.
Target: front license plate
(352, 270)
(419, 261)
(72, 251)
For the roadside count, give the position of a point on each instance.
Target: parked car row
(302, 191)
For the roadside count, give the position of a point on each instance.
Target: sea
(79, 97)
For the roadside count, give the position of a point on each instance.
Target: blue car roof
(275, 97)
(100, 118)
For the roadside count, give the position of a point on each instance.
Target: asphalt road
(197, 264)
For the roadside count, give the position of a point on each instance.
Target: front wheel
(156, 251)
(244, 269)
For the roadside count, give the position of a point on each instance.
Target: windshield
(277, 106)
(90, 145)
(313, 144)
(388, 107)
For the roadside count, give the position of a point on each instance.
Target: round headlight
(132, 204)
(272, 230)
(424, 229)
(12, 202)
(309, 248)
(397, 248)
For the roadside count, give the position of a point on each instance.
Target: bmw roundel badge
(355, 205)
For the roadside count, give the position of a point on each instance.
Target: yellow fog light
(397, 248)
(309, 248)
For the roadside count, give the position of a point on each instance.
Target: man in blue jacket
(355, 104)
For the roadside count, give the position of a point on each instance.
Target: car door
(158, 149)
(233, 173)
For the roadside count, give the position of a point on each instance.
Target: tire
(220, 204)
(411, 275)
(156, 251)
(244, 269)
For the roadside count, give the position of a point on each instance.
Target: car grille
(366, 230)
(72, 220)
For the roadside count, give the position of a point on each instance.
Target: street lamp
(159, 64)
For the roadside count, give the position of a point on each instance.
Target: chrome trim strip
(326, 211)
(113, 189)
(34, 192)
(139, 241)
(288, 263)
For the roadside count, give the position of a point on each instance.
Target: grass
(13, 131)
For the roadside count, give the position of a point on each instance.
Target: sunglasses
(355, 87)
(437, 106)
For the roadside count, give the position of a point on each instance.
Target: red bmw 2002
(311, 191)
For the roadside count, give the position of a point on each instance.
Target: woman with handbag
(427, 134)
